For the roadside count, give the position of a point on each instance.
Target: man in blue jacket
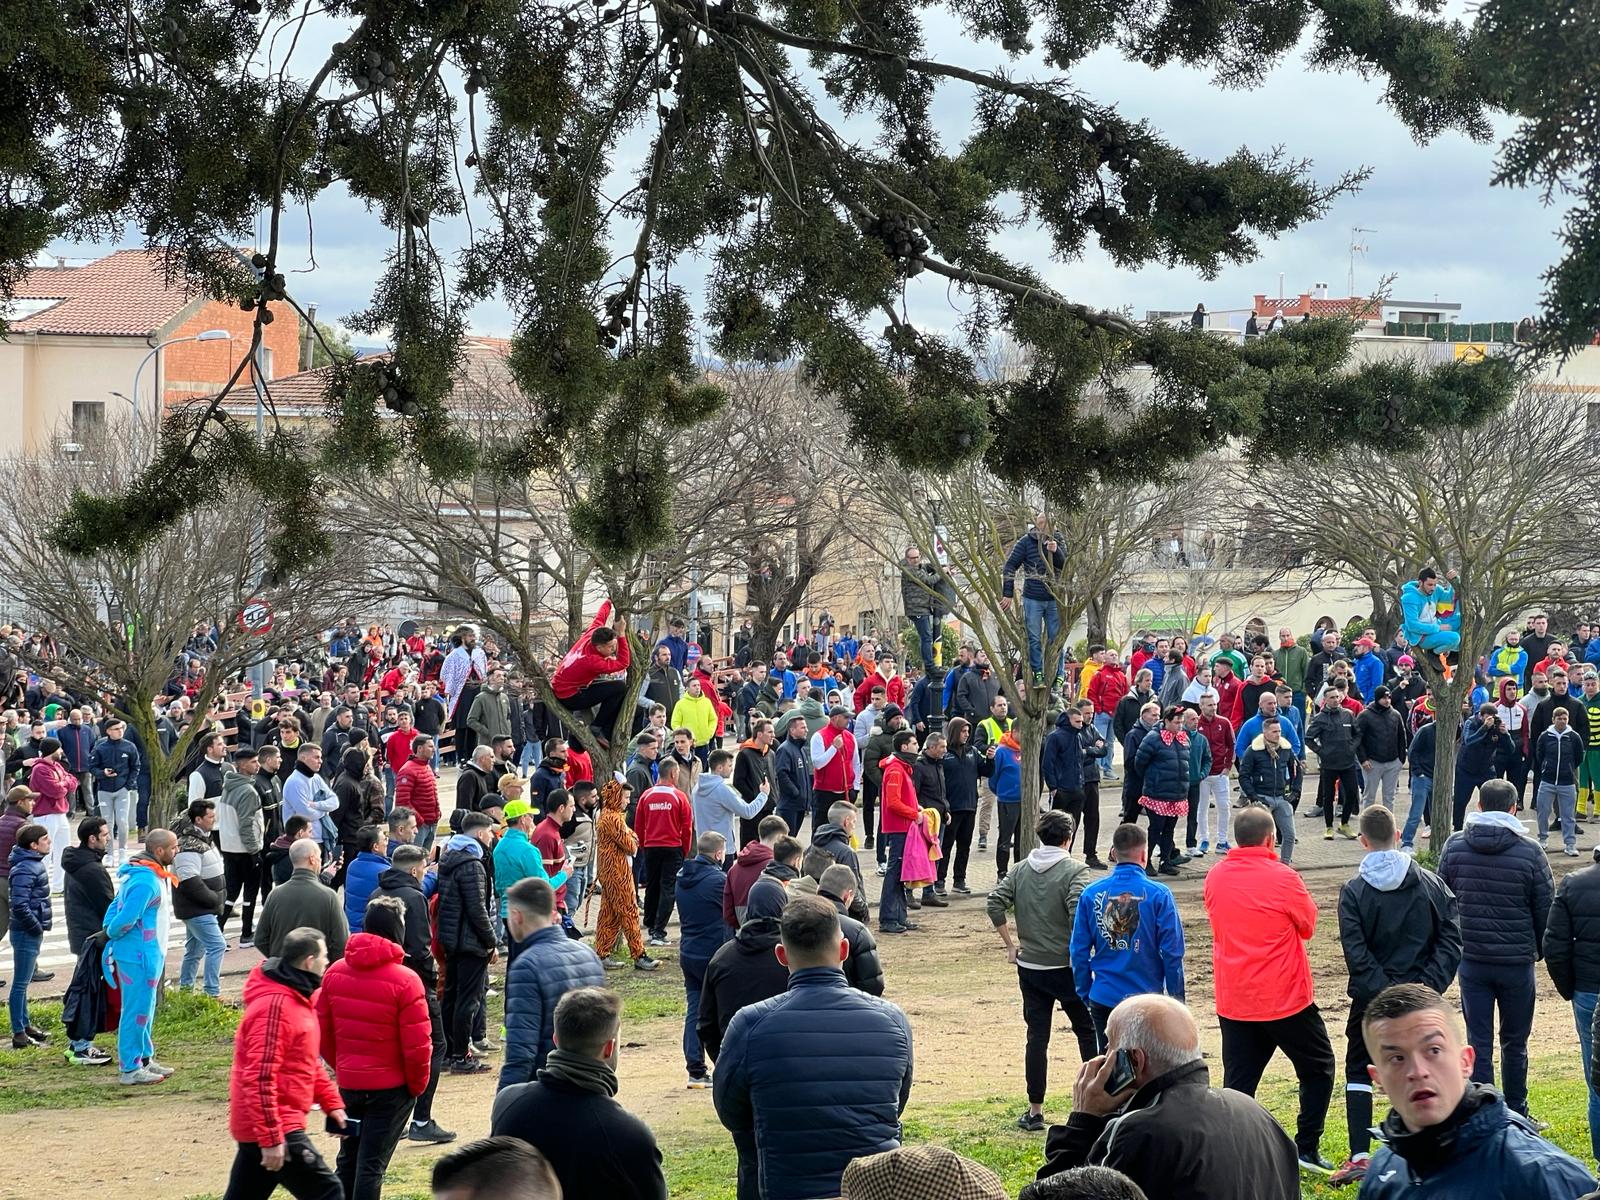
(792, 767)
(701, 934)
(1127, 938)
(1040, 559)
(1446, 1136)
(114, 763)
(548, 966)
(812, 1079)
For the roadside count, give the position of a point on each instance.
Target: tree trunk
(1447, 715)
(763, 636)
(1098, 618)
(1031, 730)
(1385, 619)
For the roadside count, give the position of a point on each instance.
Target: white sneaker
(140, 1076)
(156, 1068)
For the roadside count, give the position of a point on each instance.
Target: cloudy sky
(1436, 223)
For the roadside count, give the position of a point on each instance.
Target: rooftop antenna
(1357, 246)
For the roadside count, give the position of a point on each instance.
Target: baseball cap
(1366, 641)
(517, 809)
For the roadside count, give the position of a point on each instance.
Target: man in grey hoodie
(1044, 898)
(717, 804)
(1397, 924)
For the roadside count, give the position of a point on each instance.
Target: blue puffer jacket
(1497, 1153)
(1368, 670)
(700, 885)
(1264, 776)
(1028, 556)
(360, 881)
(30, 891)
(548, 966)
(1164, 765)
(1502, 879)
(1062, 762)
(807, 1114)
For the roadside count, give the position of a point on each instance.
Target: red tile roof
(305, 393)
(125, 294)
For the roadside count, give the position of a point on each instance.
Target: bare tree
(125, 616)
(1495, 505)
(982, 520)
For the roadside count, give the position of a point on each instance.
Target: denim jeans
(1034, 614)
(892, 900)
(1421, 797)
(1102, 726)
(1563, 799)
(24, 954)
(117, 808)
(694, 975)
(924, 627)
(1583, 1005)
(578, 887)
(202, 938)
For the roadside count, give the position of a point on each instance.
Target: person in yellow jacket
(696, 713)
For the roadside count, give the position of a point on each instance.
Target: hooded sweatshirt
(746, 869)
(1044, 894)
(717, 807)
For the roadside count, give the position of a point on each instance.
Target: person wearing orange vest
(900, 812)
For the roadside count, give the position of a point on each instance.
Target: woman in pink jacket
(55, 785)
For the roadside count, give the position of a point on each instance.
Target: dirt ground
(951, 977)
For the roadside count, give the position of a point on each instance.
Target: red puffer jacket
(374, 1018)
(416, 788)
(277, 1071)
(1261, 919)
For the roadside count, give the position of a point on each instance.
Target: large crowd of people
(312, 817)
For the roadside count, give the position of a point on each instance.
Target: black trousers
(605, 697)
(1008, 842)
(1161, 830)
(243, 874)
(661, 865)
(1349, 781)
(957, 837)
(465, 977)
(364, 1160)
(869, 806)
(1084, 808)
(1042, 990)
(424, 1108)
(464, 739)
(1247, 1047)
(304, 1175)
(821, 802)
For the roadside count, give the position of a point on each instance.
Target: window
(88, 421)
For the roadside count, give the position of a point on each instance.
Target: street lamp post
(205, 335)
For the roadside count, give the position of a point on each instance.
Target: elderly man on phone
(1147, 1108)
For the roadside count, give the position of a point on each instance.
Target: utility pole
(1357, 246)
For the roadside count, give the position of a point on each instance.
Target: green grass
(193, 1033)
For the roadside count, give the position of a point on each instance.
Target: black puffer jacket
(88, 893)
(1397, 924)
(463, 914)
(927, 776)
(347, 786)
(1572, 939)
(403, 886)
(742, 972)
(1504, 885)
(862, 968)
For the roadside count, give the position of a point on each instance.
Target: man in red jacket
(416, 788)
(900, 812)
(373, 1018)
(1228, 687)
(882, 675)
(1261, 919)
(1106, 689)
(835, 765)
(277, 1076)
(594, 673)
(664, 821)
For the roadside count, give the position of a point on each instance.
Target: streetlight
(205, 335)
